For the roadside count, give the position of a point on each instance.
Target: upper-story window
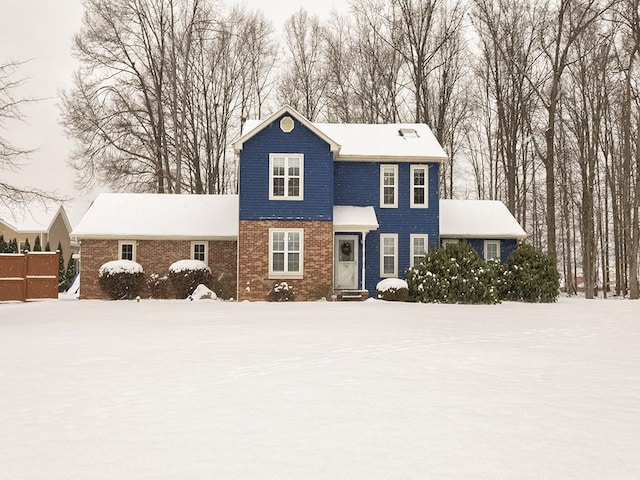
(127, 250)
(388, 186)
(286, 176)
(419, 190)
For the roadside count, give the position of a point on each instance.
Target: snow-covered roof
(35, 217)
(347, 218)
(365, 142)
(148, 215)
(477, 219)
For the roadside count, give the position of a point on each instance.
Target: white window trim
(206, 250)
(412, 246)
(489, 242)
(395, 191)
(426, 186)
(286, 156)
(127, 242)
(298, 274)
(395, 255)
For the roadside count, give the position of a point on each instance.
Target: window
(286, 175)
(388, 186)
(419, 192)
(388, 255)
(492, 250)
(285, 252)
(127, 250)
(199, 251)
(419, 246)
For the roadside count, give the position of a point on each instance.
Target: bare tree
(11, 155)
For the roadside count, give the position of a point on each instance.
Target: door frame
(336, 259)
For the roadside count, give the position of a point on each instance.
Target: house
(44, 220)
(156, 230)
(486, 224)
(327, 208)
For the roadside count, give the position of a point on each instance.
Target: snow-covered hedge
(186, 275)
(529, 276)
(393, 290)
(453, 274)
(121, 279)
(282, 292)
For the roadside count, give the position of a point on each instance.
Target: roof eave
(390, 158)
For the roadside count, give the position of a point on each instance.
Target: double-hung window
(127, 250)
(199, 251)
(419, 246)
(286, 176)
(388, 186)
(286, 252)
(388, 255)
(419, 190)
(492, 250)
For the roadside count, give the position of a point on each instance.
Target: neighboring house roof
(148, 215)
(358, 219)
(477, 219)
(360, 141)
(34, 217)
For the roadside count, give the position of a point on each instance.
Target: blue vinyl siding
(358, 184)
(254, 175)
(506, 246)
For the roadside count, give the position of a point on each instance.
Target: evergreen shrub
(530, 276)
(453, 274)
(121, 279)
(158, 285)
(186, 275)
(282, 292)
(392, 290)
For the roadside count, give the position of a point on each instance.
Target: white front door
(346, 262)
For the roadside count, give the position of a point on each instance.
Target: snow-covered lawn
(373, 390)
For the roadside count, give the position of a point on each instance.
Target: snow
(365, 390)
(148, 215)
(477, 219)
(186, 265)
(202, 292)
(348, 218)
(33, 217)
(388, 283)
(362, 141)
(119, 266)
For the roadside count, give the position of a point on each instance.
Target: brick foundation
(253, 268)
(155, 256)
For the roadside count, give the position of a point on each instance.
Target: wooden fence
(28, 276)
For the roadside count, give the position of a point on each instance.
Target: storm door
(346, 262)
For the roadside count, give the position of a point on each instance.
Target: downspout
(364, 256)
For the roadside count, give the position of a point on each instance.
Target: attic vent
(286, 124)
(408, 132)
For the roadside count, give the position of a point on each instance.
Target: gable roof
(149, 215)
(361, 141)
(478, 219)
(35, 217)
(252, 128)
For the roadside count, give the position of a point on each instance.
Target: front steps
(350, 295)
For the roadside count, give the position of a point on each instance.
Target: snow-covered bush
(453, 274)
(158, 285)
(393, 290)
(282, 292)
(530, 276)
(186, 275)
(121, 279)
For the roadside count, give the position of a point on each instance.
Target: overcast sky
(41, 32)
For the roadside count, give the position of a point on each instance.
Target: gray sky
(41, 31)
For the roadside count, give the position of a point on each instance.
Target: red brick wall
(253, 269)
(155, 256)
